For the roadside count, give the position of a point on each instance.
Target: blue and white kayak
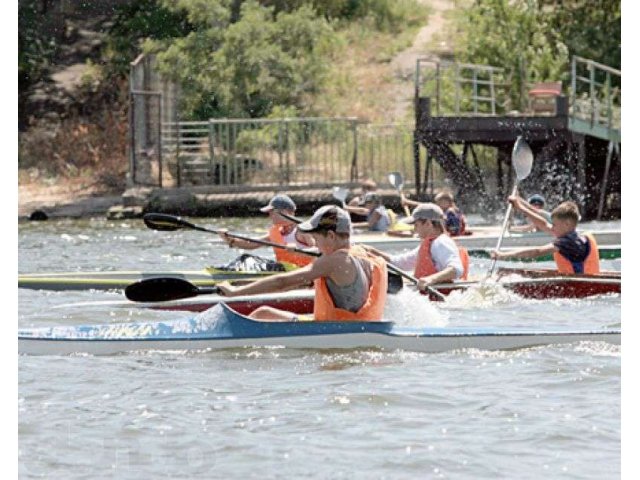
(221, 327)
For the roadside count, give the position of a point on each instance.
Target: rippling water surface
(549, 412)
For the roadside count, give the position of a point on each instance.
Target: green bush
(246, 68)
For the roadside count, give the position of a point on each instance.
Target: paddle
(390, 266)
(162, 289)
(522, 161)
(397, 181)
(340, 194)
(169, 223)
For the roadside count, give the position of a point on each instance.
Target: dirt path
(404, 64)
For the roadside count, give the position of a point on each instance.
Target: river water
(549, 412)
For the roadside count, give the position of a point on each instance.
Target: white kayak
(483, 238)
(222, 328)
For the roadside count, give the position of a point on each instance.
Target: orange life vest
(373, 308)
(591, 263)
(425, 265)
(282, 255)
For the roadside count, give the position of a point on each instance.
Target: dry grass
(362, 80)
(89, 151)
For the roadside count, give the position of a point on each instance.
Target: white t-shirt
(290, 238)
(444, 253)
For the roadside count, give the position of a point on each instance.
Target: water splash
(485, 294)
(409, 308)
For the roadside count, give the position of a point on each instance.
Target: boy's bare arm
(529, 252)
(409, 203)
(357, 210)
(531, 213)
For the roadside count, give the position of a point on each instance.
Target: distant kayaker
(350, 283)
(437, 259)
(455, 221)
(378, 217)
(536, 201)
(366, 186)
(573, 253)
(282, 231)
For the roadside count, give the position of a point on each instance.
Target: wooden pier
(575, 140)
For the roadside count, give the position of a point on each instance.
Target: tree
(516, 35)
(248, 67)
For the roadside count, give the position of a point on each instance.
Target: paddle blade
(340, 193)
(396, 180)
(160, 290)
(394, 282)
(163, 222)
(522, 158)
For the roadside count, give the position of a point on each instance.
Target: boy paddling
(282, 231)
(455, 221)
(573, 253)
(350, 284)
(437, 259)
(536, 201)
(378, 219)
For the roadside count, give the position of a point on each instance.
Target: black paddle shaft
(169, 223)
(173, 289)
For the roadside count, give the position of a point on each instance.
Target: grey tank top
(353, 296)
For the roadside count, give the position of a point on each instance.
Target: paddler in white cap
(437, 259)
(350, 284)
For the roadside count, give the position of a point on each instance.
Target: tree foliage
(534, 40)
(515, 35)
(136, 21)
(590, 28)
(246, 68)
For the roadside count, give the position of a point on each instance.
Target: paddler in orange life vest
(573, 253)
(350, 283)
(282, 231)
(437, 259)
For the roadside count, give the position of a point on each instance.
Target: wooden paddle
(397, 181)
(390, 266)
(522, 161)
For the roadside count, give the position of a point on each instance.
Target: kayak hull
(121, 279)
(485, 238)
(232, 330)
(543, 284)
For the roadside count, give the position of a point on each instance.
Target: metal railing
(596, 92)
(286, 151)
(462, 89)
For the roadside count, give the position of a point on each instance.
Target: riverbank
(65, 198)
(68, 199)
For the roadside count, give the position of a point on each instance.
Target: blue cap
(280, 202)
(536, 198)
